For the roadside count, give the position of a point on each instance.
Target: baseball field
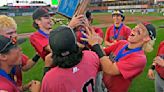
(103, 20)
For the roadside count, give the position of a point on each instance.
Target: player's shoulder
(3, 83)
(52, 74)
(35, 34)
(126, 27)
(89, 53)
(96, 28)
(90, 56)
(162, 43)
(110, 27)
(139, 58)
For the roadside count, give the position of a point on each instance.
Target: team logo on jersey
(75, 69)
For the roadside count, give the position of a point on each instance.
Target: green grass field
(140, 84)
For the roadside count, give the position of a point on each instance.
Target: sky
(4, 2)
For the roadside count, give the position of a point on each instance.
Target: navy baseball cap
(63, 41)
(151, 30)
(119, 12)
(6, 44)
(41, 12)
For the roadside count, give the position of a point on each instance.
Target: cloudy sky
(2, 2)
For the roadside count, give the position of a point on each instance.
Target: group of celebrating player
(75, 59)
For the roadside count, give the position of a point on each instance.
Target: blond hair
(7, 22)
(148, 46)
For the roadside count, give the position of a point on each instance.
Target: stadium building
(25, 7)
(105, 5)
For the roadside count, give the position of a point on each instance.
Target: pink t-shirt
(39, 42)
(76, 79)
(123, 35)
(160, 53)
(7, 86)
(129, 66)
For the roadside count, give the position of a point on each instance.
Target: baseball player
(8, 28)
(117, 31)
(124, 60)
(81, 29)
(75, 70)
(84, 45)
(43, 24)
(10, 56)
(158, 65)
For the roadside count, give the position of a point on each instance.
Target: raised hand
(76, 21)
(92, 37)
(151, 74)
(35, 86)
(158, 60)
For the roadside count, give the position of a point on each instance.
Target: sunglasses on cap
(11, 43)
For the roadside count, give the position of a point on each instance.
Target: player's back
(76, 79)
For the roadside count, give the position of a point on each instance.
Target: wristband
(96, 48)
(35, 58)
(152, 67)
(46, 69)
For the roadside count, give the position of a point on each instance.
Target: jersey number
(87, 84)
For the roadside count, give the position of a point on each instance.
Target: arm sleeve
(99, 32)
(24, 59)
(159, 48)
(107, 34)
(97, 60)
(38, 44)
(111, 48)
(131, 67)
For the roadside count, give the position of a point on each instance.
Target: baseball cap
(41, 12)
(151, 30)
(63, 41)
(6, 44)
(119, 12)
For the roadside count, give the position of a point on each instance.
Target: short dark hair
(88, 14)
(35, 25)
(68, 61)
